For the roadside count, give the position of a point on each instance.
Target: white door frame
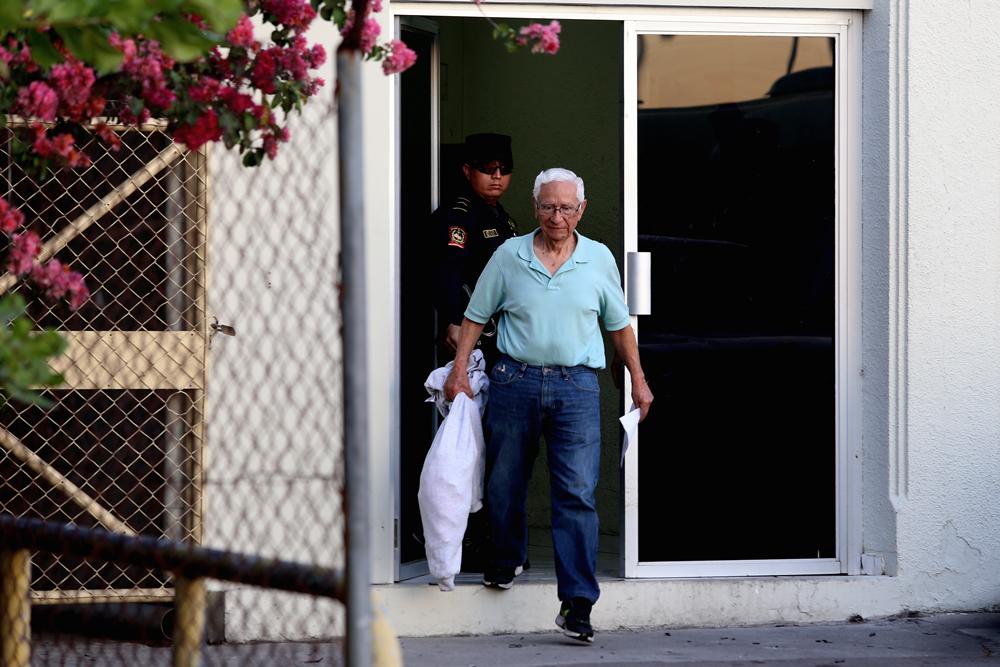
(845, 26)
(847, 285)
(402, 571)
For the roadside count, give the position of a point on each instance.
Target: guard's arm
(449, 298)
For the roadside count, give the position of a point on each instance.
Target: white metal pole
(358, 646)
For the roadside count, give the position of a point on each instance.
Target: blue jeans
(563, 404)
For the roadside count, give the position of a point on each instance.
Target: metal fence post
(15, 608)
(352, 253)
(189, 621)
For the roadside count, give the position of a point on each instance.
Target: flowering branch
(51, 279)
(540, 38)
(23, 353)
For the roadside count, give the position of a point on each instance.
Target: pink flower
(317, 55)
(10, 217)
(126, 46)
(242, 34)
(74, 81)
(313, 86)
(545, 38)
(296, 14)
(23, 252)
(37, 100)
(369, 35)
(400, 58)
(56, 280)
(205, 90)
(146, 64)
(369, 32)
(60, 146)
(108, 135)
(375, 7)
(202, 131)
(265, 70)
(234, 100)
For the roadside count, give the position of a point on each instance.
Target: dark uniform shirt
(468, 230)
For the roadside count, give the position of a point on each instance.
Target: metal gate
(122, 445)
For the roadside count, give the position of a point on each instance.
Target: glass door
(736, 184)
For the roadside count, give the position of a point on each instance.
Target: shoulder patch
(456, 237)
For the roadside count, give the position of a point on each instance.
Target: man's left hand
(642, 397)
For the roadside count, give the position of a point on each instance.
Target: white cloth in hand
(434, 384)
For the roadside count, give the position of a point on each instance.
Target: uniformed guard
(470, 228)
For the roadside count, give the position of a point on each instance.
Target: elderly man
(552, 288)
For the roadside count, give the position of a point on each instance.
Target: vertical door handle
(637, 283)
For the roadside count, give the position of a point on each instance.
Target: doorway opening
(560, 111)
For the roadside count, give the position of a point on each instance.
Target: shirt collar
(581, 254)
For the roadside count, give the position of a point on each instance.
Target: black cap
(486, 147)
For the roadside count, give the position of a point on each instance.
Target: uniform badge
(456, 237)
(490, 233)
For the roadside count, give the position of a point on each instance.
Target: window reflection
(736, 169)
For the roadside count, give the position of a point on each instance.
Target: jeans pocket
(503, 373)
(585, 382)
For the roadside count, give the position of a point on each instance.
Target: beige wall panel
(133, 360)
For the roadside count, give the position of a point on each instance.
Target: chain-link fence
(201, 400)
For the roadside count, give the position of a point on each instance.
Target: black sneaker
(499, 577)
(574, 619)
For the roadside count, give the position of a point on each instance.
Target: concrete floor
(943, 640)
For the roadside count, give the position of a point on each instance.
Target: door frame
(843, 27)
(417, 568)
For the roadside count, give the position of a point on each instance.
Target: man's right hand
(451, 336)
(457, 383)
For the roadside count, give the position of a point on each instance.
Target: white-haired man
(553, 288)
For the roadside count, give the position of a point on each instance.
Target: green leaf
(130, 17)
(180, 39)
(63, 11)
(221, 15)
(43, 52)
(228, 121)
(90, 44)
(24, 355)
(253, 158)
(11, 15)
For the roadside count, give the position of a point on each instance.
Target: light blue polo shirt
(551, 320)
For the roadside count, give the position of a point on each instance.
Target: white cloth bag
(451, 482)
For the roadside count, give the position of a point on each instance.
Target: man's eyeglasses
(552, 209)
(490, 168)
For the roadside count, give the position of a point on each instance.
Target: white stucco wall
(948, 520)
(274, 474)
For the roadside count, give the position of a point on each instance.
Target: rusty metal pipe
(183, 560)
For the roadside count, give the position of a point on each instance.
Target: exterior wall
(931, 419)
(949, 186)
(274, 462)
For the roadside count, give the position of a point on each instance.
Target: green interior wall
(563, 110)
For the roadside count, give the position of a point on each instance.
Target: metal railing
(190, 566)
